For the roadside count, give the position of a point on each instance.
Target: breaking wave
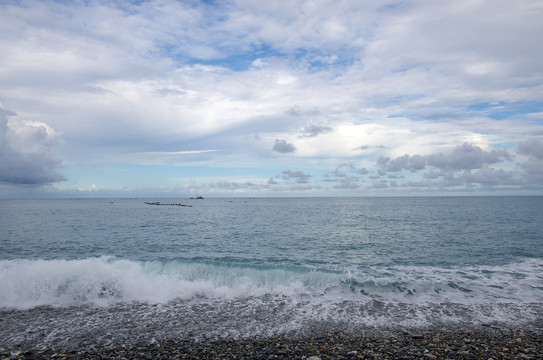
(104, 281)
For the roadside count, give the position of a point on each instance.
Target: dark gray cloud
(488, 176)
(335, 175)
(466, 165)
(533, 147)
(533, 167)
(366, 147)
(463, 157)
(347, 183)
(351, 167)
(405, 162)
(384, 184)
(282, 146)
(299, 176)
(342, 175)
(24, 156)
(315, 130)
(434, 174)
(28, 169)
(467, 156)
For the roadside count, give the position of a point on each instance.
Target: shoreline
(487, 342)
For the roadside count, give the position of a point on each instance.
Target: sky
(166, 98)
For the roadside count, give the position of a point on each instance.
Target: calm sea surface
(84, 271)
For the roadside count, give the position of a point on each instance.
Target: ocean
(85, 272)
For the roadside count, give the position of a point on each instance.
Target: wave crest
(106, 280)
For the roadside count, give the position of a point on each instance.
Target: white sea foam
(105, 300)
(104, 281)
(28, 283)
(519, 282)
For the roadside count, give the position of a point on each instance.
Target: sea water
(84, 272)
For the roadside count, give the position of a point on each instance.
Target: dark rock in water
(159, 203)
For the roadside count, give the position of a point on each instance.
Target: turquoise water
(257, 267)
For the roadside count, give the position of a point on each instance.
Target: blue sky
(283, 98)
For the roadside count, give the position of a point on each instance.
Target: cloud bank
(25, 158)
(238, 97)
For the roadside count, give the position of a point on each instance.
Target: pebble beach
(444, 343)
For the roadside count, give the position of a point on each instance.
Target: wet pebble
(431, 344)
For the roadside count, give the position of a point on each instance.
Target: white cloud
(326, 82)
(175, 158)
(92, 188)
